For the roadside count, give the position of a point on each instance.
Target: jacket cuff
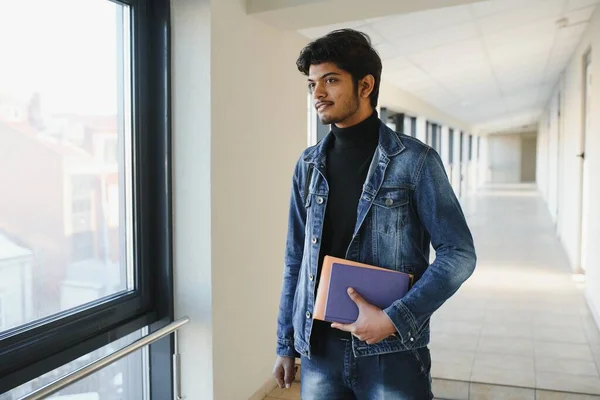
(285, 348)
(403, 320)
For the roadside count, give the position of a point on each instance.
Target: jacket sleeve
(293, 261)
(441, 215)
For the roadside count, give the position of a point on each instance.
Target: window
(451, 145)
(121, 380)
(83, 246)
(470, 155)
(409, 125)
(111, 151)
(2, 318)
(461, 151)
(434, 135)
(84, 239)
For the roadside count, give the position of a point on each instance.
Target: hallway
(520, 327)
(521, 320)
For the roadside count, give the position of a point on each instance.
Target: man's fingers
(343, 327)
(356, 298)
(278, 373)
(290, 374)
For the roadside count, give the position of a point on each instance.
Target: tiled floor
(520, 327)
(521, 320)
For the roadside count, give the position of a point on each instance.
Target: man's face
(334, 94)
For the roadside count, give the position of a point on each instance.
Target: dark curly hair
(349, 50)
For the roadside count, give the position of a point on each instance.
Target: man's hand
(285, 371)
(372, 326)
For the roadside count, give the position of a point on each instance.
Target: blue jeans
(334, 373)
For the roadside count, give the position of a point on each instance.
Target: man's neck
(355, 119)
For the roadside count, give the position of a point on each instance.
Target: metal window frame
(35, 349)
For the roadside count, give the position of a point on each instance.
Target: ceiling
(492, 64)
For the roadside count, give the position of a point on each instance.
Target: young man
(368, 194)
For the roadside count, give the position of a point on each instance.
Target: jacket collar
(389, 144)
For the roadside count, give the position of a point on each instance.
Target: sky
(64, 49)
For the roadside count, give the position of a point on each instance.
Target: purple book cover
(380, 288)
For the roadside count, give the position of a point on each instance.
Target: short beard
(349, 108)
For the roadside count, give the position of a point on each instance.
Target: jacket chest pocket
(390, 208)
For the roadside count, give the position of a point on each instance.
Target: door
(585, 173)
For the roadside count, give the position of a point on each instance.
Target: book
(378, 286)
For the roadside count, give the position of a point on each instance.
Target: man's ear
(366, 86)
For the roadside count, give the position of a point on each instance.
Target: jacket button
(319, 200)
(308, 314)
(311, 277)
(389, 202)
(314, 240)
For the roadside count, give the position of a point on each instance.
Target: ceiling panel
(576, 4)
(487, 8)
(319, 31)
(532, 11)
(441, 37)
(460, 62)
(520, 49)
(541, 29)
(580, 15)
(511, 86)
(396, 63)
(408, 25)
(409, 74)
(469, 93)
(387, 51)
(452, 51)
(571, 32)
(375, 36)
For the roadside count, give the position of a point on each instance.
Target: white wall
(567, 196)
(504, 158)
(528, 158)
(239, 126)
(259, 130)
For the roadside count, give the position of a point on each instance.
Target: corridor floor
(521, 320)
(519, 328)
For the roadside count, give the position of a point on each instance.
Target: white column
(484, 167)
(445, 151)
(475, 166)
(456, 162)
(465, 165)
(422, 129)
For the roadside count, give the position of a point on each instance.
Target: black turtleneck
(348, 159)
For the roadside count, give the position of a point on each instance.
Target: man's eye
(331, 80)
(311, 86)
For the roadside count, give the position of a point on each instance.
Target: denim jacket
(407, 204)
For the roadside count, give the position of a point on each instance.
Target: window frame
(34, 349)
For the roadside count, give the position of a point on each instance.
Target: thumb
(356, 298)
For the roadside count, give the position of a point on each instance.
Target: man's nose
(318, 92)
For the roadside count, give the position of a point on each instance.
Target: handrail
(89, 369)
